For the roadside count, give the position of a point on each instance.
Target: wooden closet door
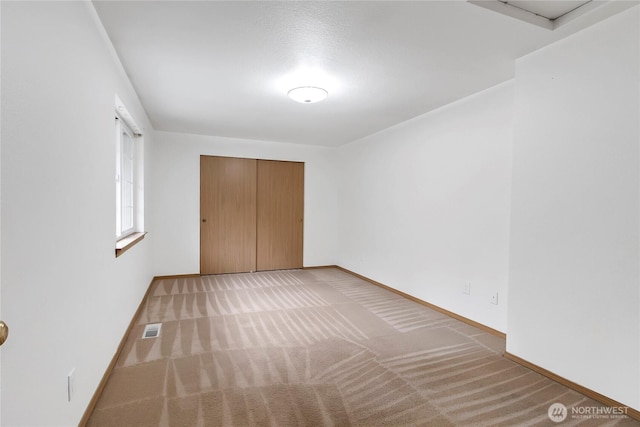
(227, 215)
(280, 216)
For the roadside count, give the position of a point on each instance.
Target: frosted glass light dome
(307, 94)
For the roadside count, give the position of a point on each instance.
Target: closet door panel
(280, 213)
(227, 215)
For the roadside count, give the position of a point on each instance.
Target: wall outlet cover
(494, 299)
(71, 384)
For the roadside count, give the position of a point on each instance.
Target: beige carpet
(316, 348)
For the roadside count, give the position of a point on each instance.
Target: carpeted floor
(316, 348)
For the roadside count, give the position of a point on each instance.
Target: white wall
(0, 217)
(176, 199)
(574, 297)
(67, 299)
(424, 206)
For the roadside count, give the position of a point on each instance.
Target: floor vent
(152, 330)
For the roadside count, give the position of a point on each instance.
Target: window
(125, 157)
(129, 180)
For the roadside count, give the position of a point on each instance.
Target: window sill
(128, 242)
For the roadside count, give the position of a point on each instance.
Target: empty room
(319, 213)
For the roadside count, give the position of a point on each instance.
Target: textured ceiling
(224, 68)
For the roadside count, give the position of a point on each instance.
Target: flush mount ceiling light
(307, 94)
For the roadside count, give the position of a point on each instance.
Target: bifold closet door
(227, 215)
(280, 213)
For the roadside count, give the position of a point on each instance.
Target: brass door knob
(4, 332)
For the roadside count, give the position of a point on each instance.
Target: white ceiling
(224, 68)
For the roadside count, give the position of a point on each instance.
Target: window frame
(129, 150)
(125, 142)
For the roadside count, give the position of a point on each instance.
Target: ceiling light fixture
(307, 94)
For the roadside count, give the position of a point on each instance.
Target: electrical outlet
(494, 299)
(71, 384)
(467, 288)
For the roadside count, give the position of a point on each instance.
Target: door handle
(204, 220)
(4, 332)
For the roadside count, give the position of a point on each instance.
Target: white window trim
(123, 129)
(125, 125)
